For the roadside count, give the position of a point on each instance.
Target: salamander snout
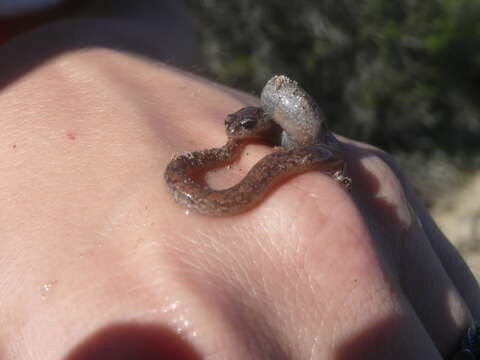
(245, 123)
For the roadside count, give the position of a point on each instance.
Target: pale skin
(92, 242)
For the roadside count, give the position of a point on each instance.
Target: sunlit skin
(92, 239)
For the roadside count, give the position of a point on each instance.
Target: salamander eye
(248, 123)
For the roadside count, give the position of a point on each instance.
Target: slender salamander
(306, 145)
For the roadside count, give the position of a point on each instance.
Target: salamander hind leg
(344, 180)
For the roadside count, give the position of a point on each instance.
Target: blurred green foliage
(403, 75)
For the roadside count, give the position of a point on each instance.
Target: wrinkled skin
(99, 262)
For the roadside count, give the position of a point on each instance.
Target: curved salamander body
(298, 114)
(294, 110)
(272, 169)
(242, 126)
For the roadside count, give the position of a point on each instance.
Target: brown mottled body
(244, 125)
(272, 169)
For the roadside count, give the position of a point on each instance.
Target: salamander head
(248, 122)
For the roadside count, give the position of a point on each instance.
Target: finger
(452, 261)
(407, 248)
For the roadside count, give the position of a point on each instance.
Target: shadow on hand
(389, 339)
(133, 341)
(401, 268)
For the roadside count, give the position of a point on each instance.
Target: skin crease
(91, 237)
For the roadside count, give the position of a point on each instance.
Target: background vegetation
(403, 75)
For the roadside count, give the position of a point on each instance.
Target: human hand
(99, 262)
